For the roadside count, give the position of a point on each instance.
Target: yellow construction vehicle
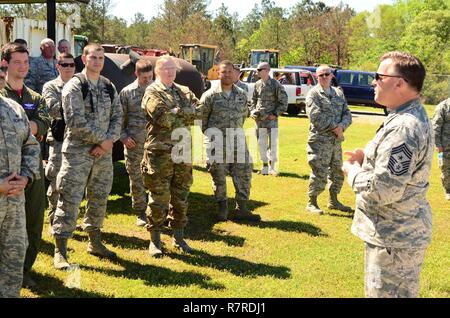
(270, 56)
(204, 57)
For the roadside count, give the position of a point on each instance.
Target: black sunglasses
(324, 75)
(67, 64)
(379, 76)
(261, 69)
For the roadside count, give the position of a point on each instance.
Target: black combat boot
(96, 247)
(334, 204)
(312, 206)
(60, 258)
(243, 214)
(179, 242)
(155, 244)
(223, 211)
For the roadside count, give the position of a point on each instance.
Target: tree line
(309, 32)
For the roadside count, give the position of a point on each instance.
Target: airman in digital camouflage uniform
(51, 93)
(237, 80)
(441, 126)
(390, 179)
(269, 101)
(16, 57)
(329, 117)
(169, 108)
(224, 110)
(133, 135)
(42, 68)
(93, 124)
(19, 165)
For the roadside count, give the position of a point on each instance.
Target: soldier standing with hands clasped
(390, 179)
(329, 117)
(441, 126)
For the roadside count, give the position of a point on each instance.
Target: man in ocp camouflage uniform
(93, 124)
(170, 108)
(133, 135)
(224, 110)
(441, 126)
(269, 101)
(17, 59)
(390, 179)
(329, 117)
(52, 94)
(19, 165)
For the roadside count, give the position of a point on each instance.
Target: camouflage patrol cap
(263, 65)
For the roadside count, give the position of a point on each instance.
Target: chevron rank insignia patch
(400, 160)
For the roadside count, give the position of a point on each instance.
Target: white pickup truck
(296, 82)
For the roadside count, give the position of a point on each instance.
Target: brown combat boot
(96, 247)
(243, 214)
(223, 211)
(312, 206)
(334, 204)
(60, 258)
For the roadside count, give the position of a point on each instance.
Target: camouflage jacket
(242, 85)
(220, 111)
(268, 98)
(19, 150)
(134, 118)
(159, 103)
(441, 125)
(34, 106)
(89, 125)
(326, 113)
(391, 186)
(52, 94)
(41, 71)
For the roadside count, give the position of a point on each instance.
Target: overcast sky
(128, 8)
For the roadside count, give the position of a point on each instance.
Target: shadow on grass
(50, 286)
(233, 265)
(348, 215)
(293, 175)
(156, 275)
(202, 214)
(291, 226)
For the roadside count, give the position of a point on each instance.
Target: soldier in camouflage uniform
(133, 135)
(42, 68)
(17, 58)
(224, 110)
(441, 126)
(53, 100)
(390, 179)
(329, 117)
(269, 101)
(169, 107)
(19, 165)
(93, 124)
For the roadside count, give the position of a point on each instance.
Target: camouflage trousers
(241, 174)
(267, 135)
(392, 272)
(168, 184)
(445, 169)
(13, 245)
(51, 171)
(325, 160)
(133, 159)
(79, 173)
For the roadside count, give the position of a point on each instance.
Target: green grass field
(288, 254)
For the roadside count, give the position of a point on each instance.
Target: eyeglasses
(379, 76)
(67, 64)
(324, 75)
(261, 69)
